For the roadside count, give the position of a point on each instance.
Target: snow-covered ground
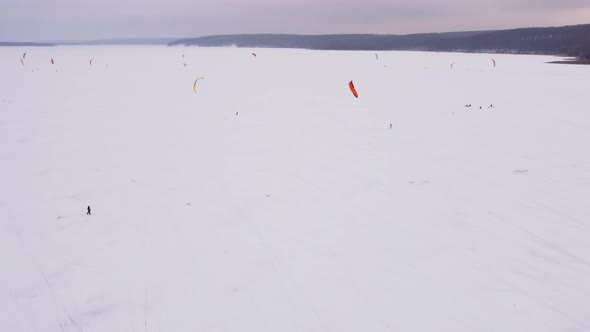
(303, 212)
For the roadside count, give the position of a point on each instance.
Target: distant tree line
(568, 41)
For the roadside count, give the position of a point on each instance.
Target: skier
(88, 209)
(390, 125)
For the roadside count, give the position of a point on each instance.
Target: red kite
(352, 89)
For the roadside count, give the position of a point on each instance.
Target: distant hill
(24, 44)
(569, 41)
(122, 41)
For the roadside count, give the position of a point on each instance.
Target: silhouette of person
(88, 209)
(390, 125)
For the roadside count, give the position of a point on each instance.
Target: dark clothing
(88, 213)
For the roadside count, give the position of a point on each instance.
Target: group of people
(469, 106)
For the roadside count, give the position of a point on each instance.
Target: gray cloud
(83, 19)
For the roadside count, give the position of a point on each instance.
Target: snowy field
(273, 200)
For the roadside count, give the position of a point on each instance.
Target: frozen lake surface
(273, 200)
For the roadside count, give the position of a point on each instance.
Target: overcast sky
(41, 20)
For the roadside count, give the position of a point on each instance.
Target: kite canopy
(195, 84)
(352, 89)
(22, 61)
(494, 62)
(376, 56)
(91, 61)
(24, 55)
(52, 62)
(254, 54)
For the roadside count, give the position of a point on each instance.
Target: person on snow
(88, 210)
